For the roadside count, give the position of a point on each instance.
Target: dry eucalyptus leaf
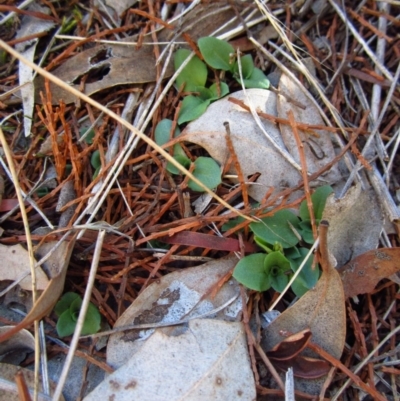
(254, 151)
(176, 296)
(356, 222)
(15, 263)
(117, 64)
(362, 274)
(318, 151)
(30, 26)
(8, 387)
(322, 311)
(208, 362)
(59, 262)
(67, 194)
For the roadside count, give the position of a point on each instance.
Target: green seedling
(67, 309)
(283, 237)
(95, 161)
(220, 55)
(206, 169)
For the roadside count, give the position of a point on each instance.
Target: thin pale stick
(82, 315)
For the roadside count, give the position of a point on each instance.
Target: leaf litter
(146, 204)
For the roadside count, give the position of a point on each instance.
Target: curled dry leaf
(58, 264)
(118, 64)
(209, 361)
(23, 340)
(356, 223)
(317, 150)
(176, 296)
(321, 310)
(8, 387)
(286, 355)
(362, 273)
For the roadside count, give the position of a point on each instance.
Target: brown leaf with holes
(362, 273)
(57, 269)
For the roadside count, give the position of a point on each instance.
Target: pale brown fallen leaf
(321, 310)
(179, 295)
(362, 274)
(59, 262)
(356, 223)
(254, 151)
(209, 361)
(15, 263)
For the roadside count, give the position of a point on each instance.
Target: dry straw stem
(129, 126)
(82, 315)
(10, 162)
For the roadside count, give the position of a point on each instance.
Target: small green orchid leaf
(308, 277)
(193, 75)
(306, 231)
(256, 80)
(95, 160)
(208, 172)
(217, 53)
(65, 302)
(250, 272)
(92, 321)
(318, 199)
(96, 172)
(247, 67)
(163, 130)
(65, 324)
(276, 266)
(219, 91)
(192, 108)
(276, 228)
(279, 282)
(292, 253)
(263, 244)
(181, 159)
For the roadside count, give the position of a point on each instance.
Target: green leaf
(277, 229)
(65, 324)
(192, 108)
(218, 91)
(92, 319)
(208, 172)
(276, 266)
(318, 199)
(263, 244)
(194, 74)
(163, 130)
(247, 67)
(308, 277)
(305, 231)
(65, 302)
(257, 79)
(250, 272)
(181, 159)
(95, 160)
(216, 53)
